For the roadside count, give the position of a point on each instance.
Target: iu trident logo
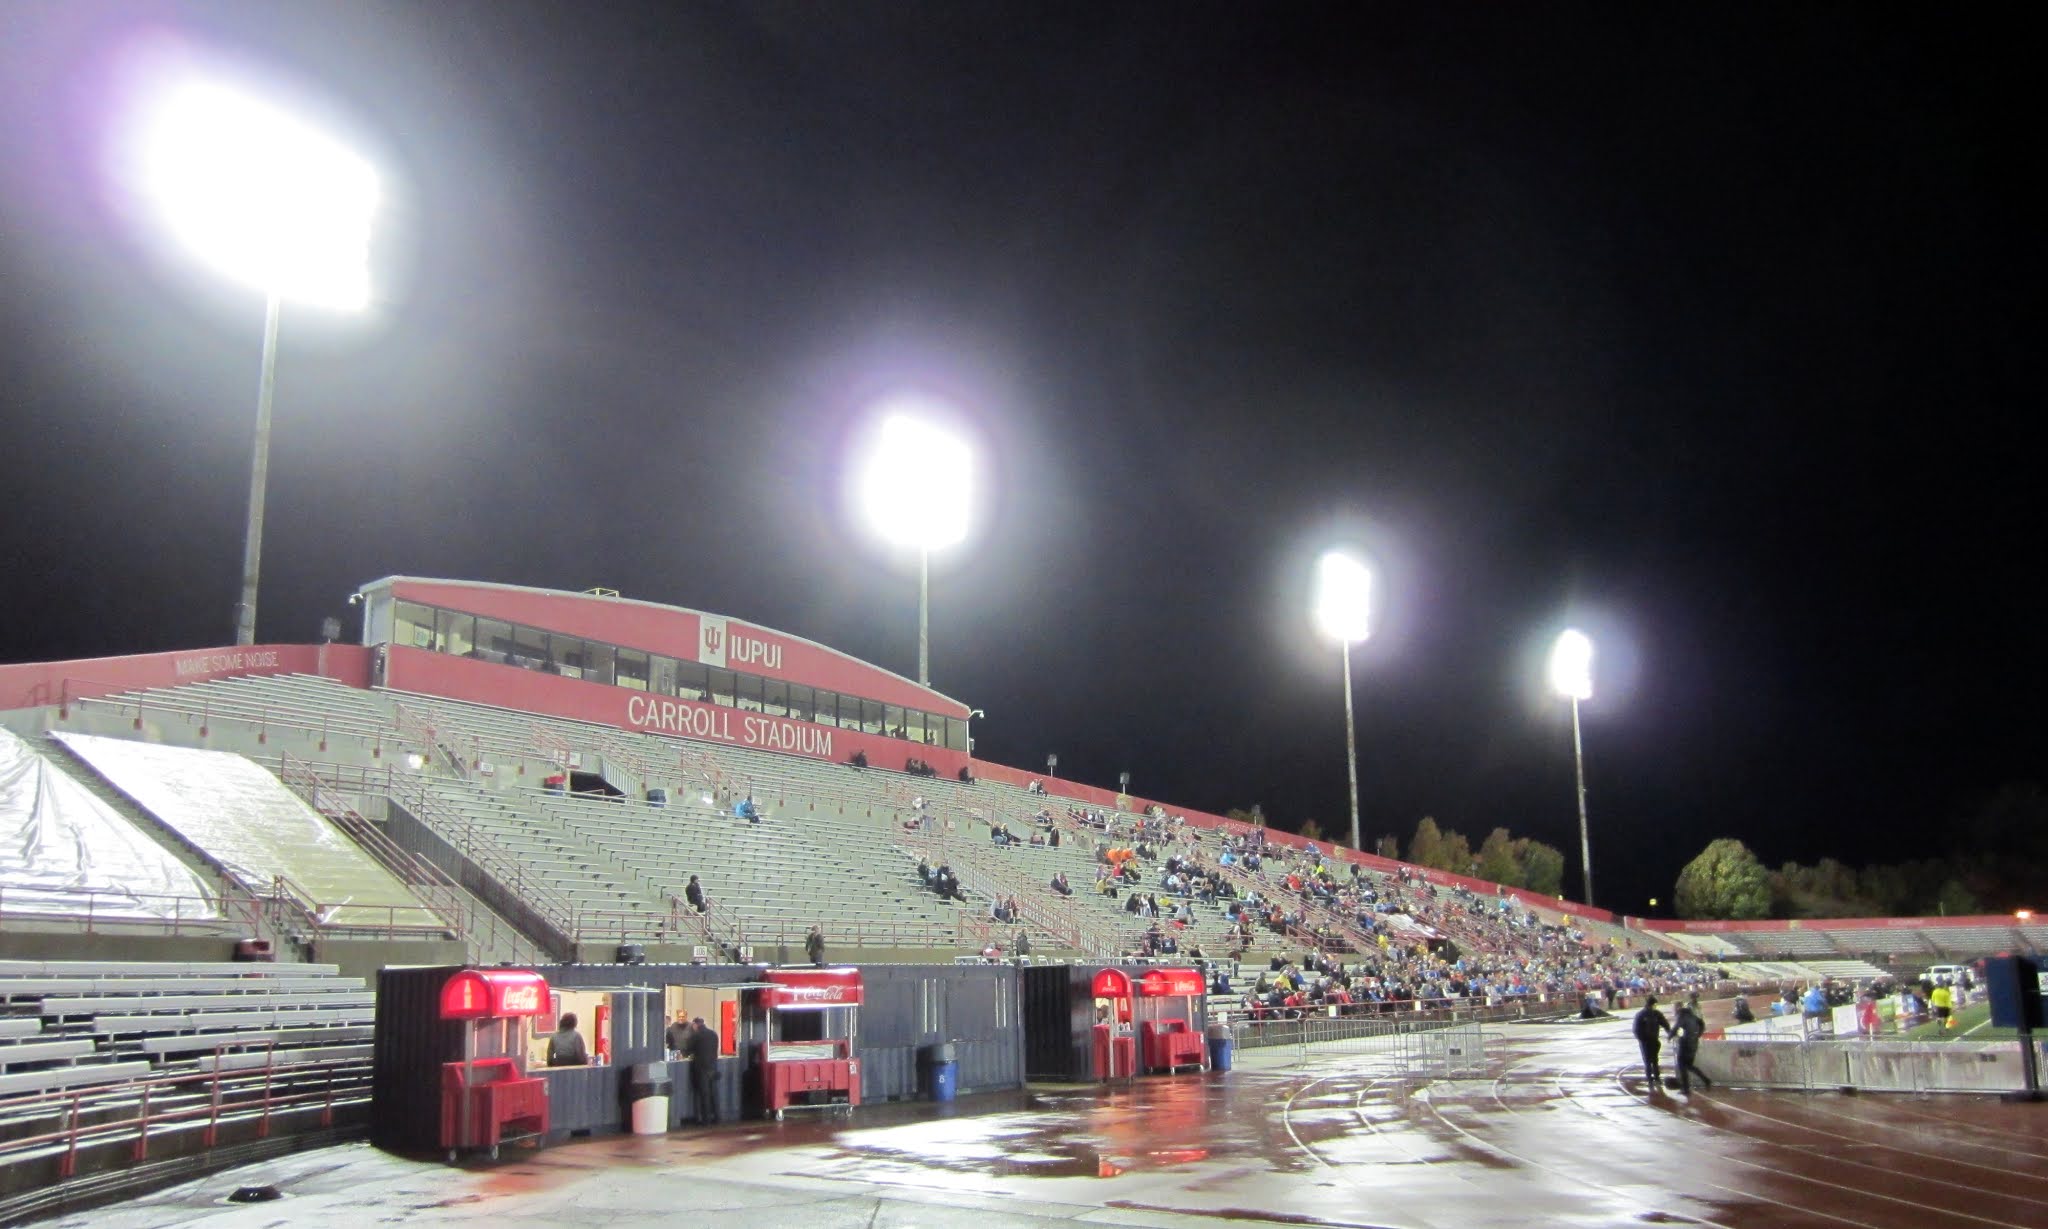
(712, 637)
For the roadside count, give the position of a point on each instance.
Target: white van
(1950, 973)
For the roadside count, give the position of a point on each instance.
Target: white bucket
(650, 1116)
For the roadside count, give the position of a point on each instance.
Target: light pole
(915, 485)
(1571, 676)
(1343, 611)
(270, 202)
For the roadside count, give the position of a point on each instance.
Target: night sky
(1704, 329)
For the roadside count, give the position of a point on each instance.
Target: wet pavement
(1558, 1130)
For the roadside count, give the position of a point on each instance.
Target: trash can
(942, 1071)
(1221, 1047)
(648, 1086)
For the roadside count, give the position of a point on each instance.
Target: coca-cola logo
(519, 1000)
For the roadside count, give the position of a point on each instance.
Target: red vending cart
(1170, 1042)
(486, 1097)
(806, 1058)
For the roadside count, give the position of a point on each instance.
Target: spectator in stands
(1744, 1014)
(1059, 884)
(966, 777)
(694, 893)
(859, 759)
(814, 944)
(704, 1071)
(565, 1048)
(1036, 787)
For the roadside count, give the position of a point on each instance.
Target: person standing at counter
(565, 1048)
(677, 1037)
(703, 1054)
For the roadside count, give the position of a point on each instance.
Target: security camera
(355, 599)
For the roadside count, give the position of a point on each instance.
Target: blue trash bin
(1221, 1047)
(942, 1071)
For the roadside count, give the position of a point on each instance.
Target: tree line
(1518, 862)
(1992, 861)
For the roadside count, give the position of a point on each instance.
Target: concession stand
(1084, 1022)
(1170, 1042)
(796, 1029)
(487, 1097)
(807, 1048)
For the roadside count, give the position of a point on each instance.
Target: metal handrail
(136, 1093)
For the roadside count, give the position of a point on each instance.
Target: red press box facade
(659, 669)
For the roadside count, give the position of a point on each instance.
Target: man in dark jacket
(1651, 1029)
(1688, 1027)
(704, 1071)
(814, 945)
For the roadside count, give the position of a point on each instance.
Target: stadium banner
(481, 682)
(62, 682)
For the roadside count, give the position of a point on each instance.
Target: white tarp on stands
(245, 819)
(64, 852)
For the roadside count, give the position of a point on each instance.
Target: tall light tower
(916, 485)
(1343, 612)
(268, 201)
(1571, 676)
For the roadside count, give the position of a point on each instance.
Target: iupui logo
(711, 641)
(520, 1001)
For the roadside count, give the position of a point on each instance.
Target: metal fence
(1830, 1064)
(1443, 1045)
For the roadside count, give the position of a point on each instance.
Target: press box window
(415, 625)
(632, 667)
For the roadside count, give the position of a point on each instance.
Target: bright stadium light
(270, 202)
(1571, 676)
(1343, 598)
(263, 198)
(1343, 611)
(1571, 665)
(916, 488)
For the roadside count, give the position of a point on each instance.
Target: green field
(1972, 1024)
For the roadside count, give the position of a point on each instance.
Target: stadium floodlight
(1343, 610)
(916, 487)
(1571, 676)
(271, 202)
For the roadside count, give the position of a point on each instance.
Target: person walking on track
(1688, 1028)
(1651, 1029)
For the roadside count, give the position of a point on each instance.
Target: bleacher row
(108, 1060)
(834, 846)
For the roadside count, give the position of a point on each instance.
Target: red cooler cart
(487, 1098)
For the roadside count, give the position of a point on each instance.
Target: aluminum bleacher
(103, 1061)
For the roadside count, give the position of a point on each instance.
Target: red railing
(122, 1110)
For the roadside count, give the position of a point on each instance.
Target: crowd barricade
(1870, 1065)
